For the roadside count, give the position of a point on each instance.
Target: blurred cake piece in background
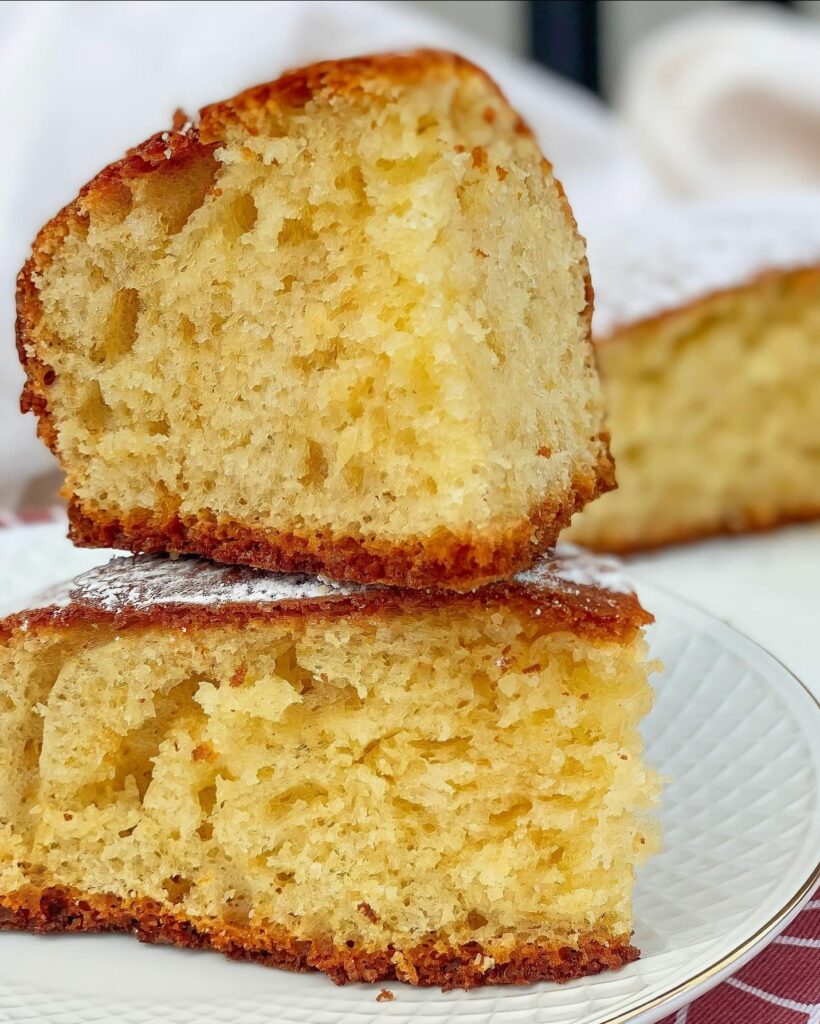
(707, 330)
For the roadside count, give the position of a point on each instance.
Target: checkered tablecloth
(781, 985)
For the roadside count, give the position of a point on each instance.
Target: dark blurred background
(584, 40)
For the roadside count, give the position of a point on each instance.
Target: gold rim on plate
(718, 969)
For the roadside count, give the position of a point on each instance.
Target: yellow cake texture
(375, 783)
(338, 324)
(708, 340)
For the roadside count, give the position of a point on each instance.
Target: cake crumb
(368, 912)
(385, 996)
(238, 678)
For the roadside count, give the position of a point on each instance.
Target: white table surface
(766, 585)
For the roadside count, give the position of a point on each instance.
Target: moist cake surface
(340, 324)
(707, 327)
(446, 789)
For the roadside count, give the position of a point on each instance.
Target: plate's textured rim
(710, 976)
(668, 1001)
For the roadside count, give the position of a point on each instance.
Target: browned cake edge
(446, 560)
(430, 963)
(589, 611)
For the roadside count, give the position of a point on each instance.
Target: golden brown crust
(349, 77)
(586, 610)
(446, 560)
(430, 963)
(459, 562)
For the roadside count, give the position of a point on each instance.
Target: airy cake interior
(714, 417)
(368, 780)
(362, 313)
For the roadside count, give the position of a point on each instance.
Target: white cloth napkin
(727, 102)
(81, 82)
(724, 103)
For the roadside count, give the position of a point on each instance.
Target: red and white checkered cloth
(781, 985)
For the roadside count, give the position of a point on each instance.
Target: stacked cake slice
(379, 783)
(340, 325)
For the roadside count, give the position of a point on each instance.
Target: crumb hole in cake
(158, 428)
(187, 331)
(207, 801)
(120, 330)
(114, 204)
(296, 230)
(240, 216)
(287, 667)
(512, 813)
(174, 191)
(316, 465)
(94, 408)
(352, 179)
(177, 888)
(302, 793)
(134, 757)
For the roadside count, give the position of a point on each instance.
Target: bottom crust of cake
(431, 963)
(444, 559)
(761, 521)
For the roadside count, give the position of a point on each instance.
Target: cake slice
(707, 327)
(340, 324)
(444, 789)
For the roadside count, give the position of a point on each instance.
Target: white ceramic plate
(735, 732)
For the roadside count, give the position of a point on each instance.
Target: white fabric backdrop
(81, 82)
(716, 104)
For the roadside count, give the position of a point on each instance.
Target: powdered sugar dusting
(674, 255)
(145, 581)
(148, 581)
(578, 567)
